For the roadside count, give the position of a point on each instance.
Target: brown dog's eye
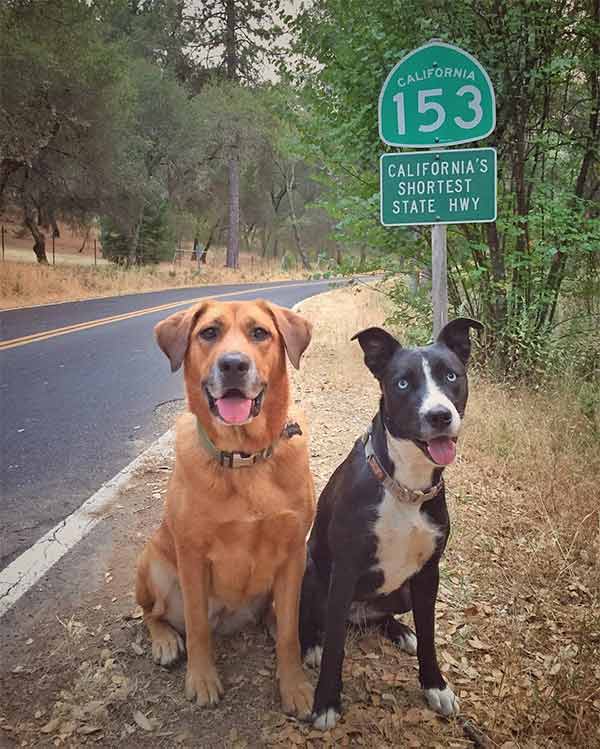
(260, 334)
(209, 334)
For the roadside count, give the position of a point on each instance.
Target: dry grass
(528, 530)
(23, 284)
(18, 255)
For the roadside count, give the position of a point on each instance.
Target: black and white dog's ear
(455, 335)
(378, 346)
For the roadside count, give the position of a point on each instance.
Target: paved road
(78, 407)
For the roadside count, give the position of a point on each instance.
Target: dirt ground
(522, 653)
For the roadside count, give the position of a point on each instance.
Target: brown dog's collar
(244, 460)
(401, 493)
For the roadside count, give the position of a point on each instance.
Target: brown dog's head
(234, 354)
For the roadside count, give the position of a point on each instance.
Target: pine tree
(240, 36)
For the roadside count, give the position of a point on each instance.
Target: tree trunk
(231, 60)
(85, 239)
(264, 241)
(559, 261)
(290, 192)
(498, 301)
(233, 235)
(133, 257)
(209, 241)
(39, 238)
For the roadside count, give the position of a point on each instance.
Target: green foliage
(521, 274)
(412, 312)
(155, 240)
(64, 90)
(288, 261)
(115, 244)
(351, 264)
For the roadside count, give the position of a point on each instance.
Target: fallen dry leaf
(142, 721)
(51, 726)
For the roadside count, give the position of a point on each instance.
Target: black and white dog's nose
(234, 363)
(439, 417)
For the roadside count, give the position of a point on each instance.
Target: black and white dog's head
(424, 390)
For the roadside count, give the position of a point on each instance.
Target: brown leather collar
(244, 460)
(401, 493)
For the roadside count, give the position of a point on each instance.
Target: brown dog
(241, 498)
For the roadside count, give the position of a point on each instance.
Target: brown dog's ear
(173, 334)
(295, 330)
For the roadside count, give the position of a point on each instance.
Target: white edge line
(25, 571)
(31, 565)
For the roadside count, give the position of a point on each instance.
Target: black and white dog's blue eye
(402, 384)
(451, 376)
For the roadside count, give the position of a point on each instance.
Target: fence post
(94, 252)
(53, 255)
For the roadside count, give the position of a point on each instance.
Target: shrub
(156, 237)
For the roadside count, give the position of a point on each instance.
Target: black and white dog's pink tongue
(234, 410)
(442, 450)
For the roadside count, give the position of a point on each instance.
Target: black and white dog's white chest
(406, 539)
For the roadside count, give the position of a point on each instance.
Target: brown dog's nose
(234, 363)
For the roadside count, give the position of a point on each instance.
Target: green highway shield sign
(438, 187)
(438, 95)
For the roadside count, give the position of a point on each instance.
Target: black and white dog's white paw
(325, 719)
(312, 657)
(442, 701)
(400, 634)
(407, 641)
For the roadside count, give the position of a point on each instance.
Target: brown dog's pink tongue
(234, 410)
(442, 450)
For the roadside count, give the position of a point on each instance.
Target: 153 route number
(426, 104)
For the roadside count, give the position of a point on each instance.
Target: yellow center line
(44, 335)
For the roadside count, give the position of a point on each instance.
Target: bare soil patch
(518, 615)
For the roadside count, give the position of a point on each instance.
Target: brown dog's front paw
(203, 685)
(297, 695)
(167, 646)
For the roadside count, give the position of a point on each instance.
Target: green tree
(544, 61)
(160, 151)
(155, 237)
(237, 38)
(63, 90)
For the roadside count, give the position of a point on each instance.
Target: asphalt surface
(76, 408)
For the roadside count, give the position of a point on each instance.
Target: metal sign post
(439, 277)
(437, 95)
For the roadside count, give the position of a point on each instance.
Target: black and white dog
(382, 522)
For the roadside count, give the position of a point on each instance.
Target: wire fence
(14, 248)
